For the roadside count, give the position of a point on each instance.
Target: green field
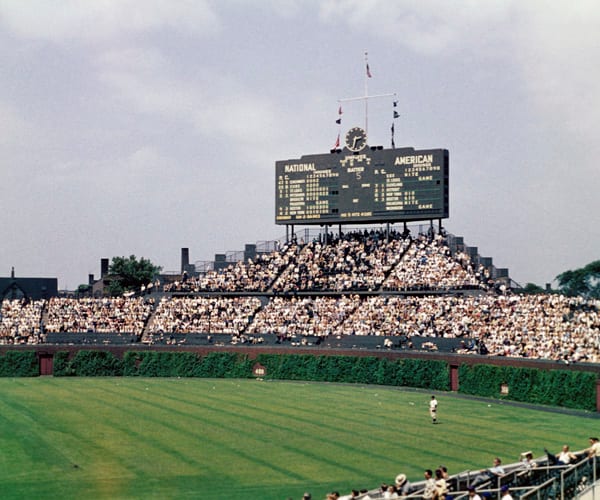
(198, 438)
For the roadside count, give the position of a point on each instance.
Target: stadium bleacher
(362, 290)
(539, 478)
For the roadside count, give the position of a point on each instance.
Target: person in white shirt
(594, 449)
(429, 492)
(473, 495)
(566, 456)
(433, 404)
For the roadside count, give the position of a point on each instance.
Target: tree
(83, 290)
(532, 289)
(129, 274)
(584, 282)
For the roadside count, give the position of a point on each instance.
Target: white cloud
(104, 19)
(558, 48)
(213, 105)
(554, 45)
(425, 27)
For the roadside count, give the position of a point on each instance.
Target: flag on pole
(337, 142)
(339, 120)
(392, 129)
(396, 114)
(369, 71)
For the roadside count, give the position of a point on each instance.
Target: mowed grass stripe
(141, 443)
(108, 449)
(51, 439)
(262, 420)
(497, 443)
(181, 438)
(216, 429)
(355, 419)
(407, 449)
(220, 418)
(165, 430)
(108, 418)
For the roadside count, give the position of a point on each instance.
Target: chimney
(103, 267)
(185, 259)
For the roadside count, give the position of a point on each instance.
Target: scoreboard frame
(374, 185)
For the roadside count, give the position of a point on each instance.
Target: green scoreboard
(367, 185)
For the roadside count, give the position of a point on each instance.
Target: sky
(144, 126)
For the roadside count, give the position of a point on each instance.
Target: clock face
(356, 139)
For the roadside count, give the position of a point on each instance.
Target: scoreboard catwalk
(371, 185)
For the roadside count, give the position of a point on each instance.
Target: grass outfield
(225, 439)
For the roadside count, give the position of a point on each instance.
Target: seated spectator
(391, 493)
(527, 460)
(505, 493)
(402, 485)
(441, 487)
(565, 456)
(486, 475)
(473, 495)
(594, 449)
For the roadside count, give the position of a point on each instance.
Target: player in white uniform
(433, 404)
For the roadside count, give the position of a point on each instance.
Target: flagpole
(366, 93)
(366, 97)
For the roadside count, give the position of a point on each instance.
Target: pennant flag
(337, 142)
(369, 71)
(393, 143)
(340, 110)
(396, 114)
(339, 121)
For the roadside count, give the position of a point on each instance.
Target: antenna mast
(366, 97)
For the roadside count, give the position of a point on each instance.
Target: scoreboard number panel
(372, 185)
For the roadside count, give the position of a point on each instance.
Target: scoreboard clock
(362, 184)
(356, 139)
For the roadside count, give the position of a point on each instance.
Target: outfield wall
(496, 377)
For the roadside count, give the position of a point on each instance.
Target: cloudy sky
(143, 126)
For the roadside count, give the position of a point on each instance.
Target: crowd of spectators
(429, 265)
(359, 284)
(105, 315)
(255, 275)
(203, 315)
(541, 326)
(352, 261)
(355, 261)
(20, 321)
(546, 326)
(563, 475)
(304, 316)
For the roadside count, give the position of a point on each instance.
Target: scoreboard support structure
(290, 232)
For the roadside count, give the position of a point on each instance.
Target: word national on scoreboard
(362, 184)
